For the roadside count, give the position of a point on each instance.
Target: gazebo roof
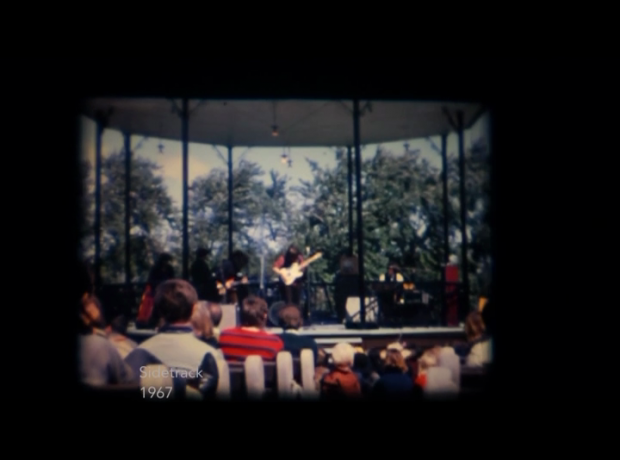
(300, 123)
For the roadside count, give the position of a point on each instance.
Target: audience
(95, 313)
(190, 342)
(99, 362)
(364, 371)
(291, 320)
(475, 333)
(215, 310)
(116, 331)
(341, 382)
(203, 325)
(427, 360)
(395, 381)
(322, 367)
(175, 344)
(479, 340)
(251, 338)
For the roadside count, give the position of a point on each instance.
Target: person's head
(201, 320)
(164, 259)
(119, 325)
(392, 268)
(254, 312)
(175, 300)
(239, 259)
(91, 312)
(343, 355)
(215, 310)
(293, 250)
(394, 360)
(202, 253)
(290, 317)
(429, 358)
(474, 326)
(292, 255)
(348, 265)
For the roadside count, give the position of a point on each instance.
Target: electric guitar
(290, 274)
(229, 284)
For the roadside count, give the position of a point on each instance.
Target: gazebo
(279, 123)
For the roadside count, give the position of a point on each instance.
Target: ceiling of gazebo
(300, 123)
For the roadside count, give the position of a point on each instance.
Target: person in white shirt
(176, 346)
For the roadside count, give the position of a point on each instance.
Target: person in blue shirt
(291, 321)
(395, 381)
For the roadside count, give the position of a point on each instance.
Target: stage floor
(328, 335)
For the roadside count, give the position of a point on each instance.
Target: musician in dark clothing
(232, 271)
(346, 284)
(202, 278)
(290, 294)
(162, 271)
(390, 297)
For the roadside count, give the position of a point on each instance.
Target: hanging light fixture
(284, 157)
(274, 128)
(161, 145)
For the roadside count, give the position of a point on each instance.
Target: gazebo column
(350, 181)
(101, 124)
(230, 200)
(127, 138)
(446, 215)
(185, 135)
(360, 231)
(464, 259)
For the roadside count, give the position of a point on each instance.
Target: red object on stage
(452, 304)
(452, 274)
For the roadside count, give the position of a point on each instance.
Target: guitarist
(233, 280)
(290, 294)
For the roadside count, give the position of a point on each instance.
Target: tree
(477, 190)
(256, 207)
(151, 211)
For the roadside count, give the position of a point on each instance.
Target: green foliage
(151, 211)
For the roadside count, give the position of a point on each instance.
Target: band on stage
(228, 282)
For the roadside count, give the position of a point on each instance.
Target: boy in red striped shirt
(251, 338)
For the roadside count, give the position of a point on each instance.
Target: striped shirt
(238, 343)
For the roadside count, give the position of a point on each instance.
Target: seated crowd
(189, 342)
